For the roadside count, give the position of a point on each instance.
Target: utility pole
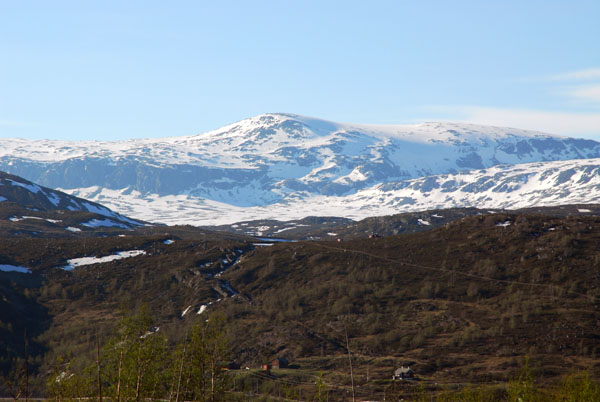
(350, 360)
(26, 368)
(98, 364)
(181, 371)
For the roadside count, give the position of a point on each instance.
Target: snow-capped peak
(277, 157)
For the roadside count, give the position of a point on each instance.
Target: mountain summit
(272, 159)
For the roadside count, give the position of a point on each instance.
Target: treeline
(137, 363)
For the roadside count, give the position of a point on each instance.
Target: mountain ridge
(274, 160)
(31, 210)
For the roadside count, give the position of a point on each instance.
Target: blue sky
(111, 70)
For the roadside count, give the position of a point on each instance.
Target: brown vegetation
(461, 304)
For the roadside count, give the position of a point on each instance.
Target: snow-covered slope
(272, 159)
(505, 186)
(14, 189)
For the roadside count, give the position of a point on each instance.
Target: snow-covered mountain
(506, 186)
(282, 163)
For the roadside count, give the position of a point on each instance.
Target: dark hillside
(461, 302)
(63, 312)
(331, 228)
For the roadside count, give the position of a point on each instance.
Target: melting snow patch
(78, 262)
(503, 224)
(584, 210)
(96, 209)
(169, 241)
(423, 222)
(15, 219)
(436, 216)
(94, 223)
(332, 234)
(54, 199)
(262, 244)
(3, 199)
(273, 239)
(14, 268)
(202, 309)
(261, 229)
(53, 220)
(153, 330)
(31, 187)
(185, 311)
(72, 229)
(284, 229)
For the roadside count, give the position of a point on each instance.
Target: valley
(460, 303)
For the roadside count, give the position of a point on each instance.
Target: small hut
(280, 362)
(404, 373)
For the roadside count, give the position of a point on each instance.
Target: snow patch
(152, 330)
(34, 188)
(54, 199)
(79, 262)
(423, 222)
(95, 223)
(14, 268)
(185, 311)
(72, 229)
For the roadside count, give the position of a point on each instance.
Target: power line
(455, 272)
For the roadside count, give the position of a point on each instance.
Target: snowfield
(510, 187)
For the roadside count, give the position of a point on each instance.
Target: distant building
(280, 362)
(404, 373)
